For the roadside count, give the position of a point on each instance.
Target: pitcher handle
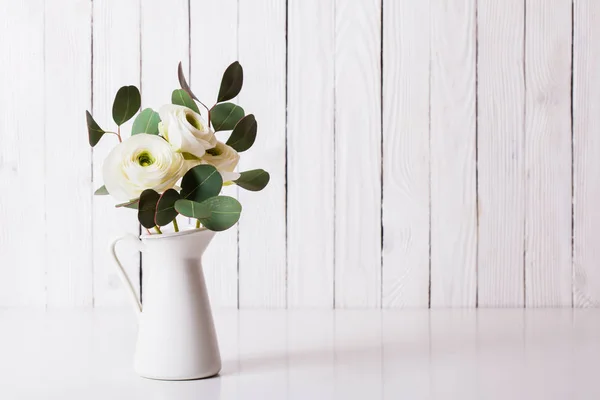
(135, 301)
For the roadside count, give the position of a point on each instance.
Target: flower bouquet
(173, 162)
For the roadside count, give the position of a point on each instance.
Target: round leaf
(244, 134)
(192, 209)
(147, 208)
(232, 81)
(216, 213)
(225, 116)
(95, 133)
(127, 103)
(182, 98)
(253, 180)
(183, 83)
(200, 183)
(146, 122)
(165, 207)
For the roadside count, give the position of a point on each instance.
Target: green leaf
(146, 122)
(127, 103)
(192, 209)
(244, 134)
(225, 116)
(254, 180)
(182, 98)
(95, 133)
(200, 183)
(133, 204)
(232, 81)
(101, 191)
(183, 83)
(216, 213)
(165, 207)
(147, 208)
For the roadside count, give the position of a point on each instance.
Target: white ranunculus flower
(141, 162)
(224, 158)
(186, 130)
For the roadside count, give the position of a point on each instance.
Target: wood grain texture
(116, 56)
(548, 153)
(586, 147)
(453, 167)
(405, 153)
(500, 140)
(22, 156)
(68, 155)
(209, 59)
(262, 227)
(165, 42)
(358, 154)
(310, 135)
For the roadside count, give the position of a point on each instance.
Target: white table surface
(442, 354)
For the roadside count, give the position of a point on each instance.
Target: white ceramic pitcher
(176, 336)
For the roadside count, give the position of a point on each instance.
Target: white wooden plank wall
(406, 153)
(586, 147)
(423, 153)
(453, 158)
(500, 163)
(548, 266)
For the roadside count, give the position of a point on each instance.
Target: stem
(204, 105)
(157, 229)
(197, 224)
(175, 225)
(148, 230)
(119, 133)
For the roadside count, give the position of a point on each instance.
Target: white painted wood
(22, 155)
(405, 154)
(453, 167)
(165, 41)
(346, 355)
(262, 227)
(500, 161)
(548, 153)
(586, 147)
(210, 56)
(116, 57)
(68, 157)
(310, 184)
(358, 154)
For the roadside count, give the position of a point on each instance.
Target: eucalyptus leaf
(253, 180)
(244, 134)
(225, 116)
(183, 83)
(232, 81)
(133, 204)
(165, 207)
(95, 133)
(182, 98)
(101, 191)
(201, 182)
(192, 209)
(147, 208)
(146, 122)
(127, 103)
(216, 213)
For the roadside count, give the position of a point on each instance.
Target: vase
(176, 333)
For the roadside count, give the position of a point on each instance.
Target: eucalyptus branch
(197, 224)
(157, 229)
(119, 133)
(175, 225)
